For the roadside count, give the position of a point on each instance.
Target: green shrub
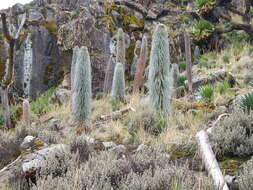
(202, 29)
(160, 80)
(202, 4)
(206, 93)
(250, 50)
(234, 136)
(182, 66)
(246, 102)
(41, 105)
(222, 87)
(180, 81)
(225, 59)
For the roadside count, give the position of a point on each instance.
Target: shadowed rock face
(57, 26)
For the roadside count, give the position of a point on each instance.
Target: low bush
(206, 93)
(245, 180)
(147, 119)
(234, 136)
(145, 170)
(246, 102)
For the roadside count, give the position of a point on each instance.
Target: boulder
(211, 78)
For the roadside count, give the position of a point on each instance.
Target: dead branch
(210, 161)
(117, 114)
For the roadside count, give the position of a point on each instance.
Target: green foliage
(203, 62)
(204, 4)
(201, 29)
(182, 66)
(225, 59)
(246, 102)
(222, 87)
(250, 50)
(118, 85)
(41, 105)
(234, 136)
(206, 93)
(82, 94)
(180, 80)
(160, 80)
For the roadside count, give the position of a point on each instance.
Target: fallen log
(210, 161)
(117, 114)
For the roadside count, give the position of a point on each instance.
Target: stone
(34, 15)
(108, 145)
(119, 149)
(17, 9)
(31, 143)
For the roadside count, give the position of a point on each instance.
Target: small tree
(109, 75)
(82, 94)
(121, 49)
(118, 85)
(160, 80)
(73, 64)
(138, 78)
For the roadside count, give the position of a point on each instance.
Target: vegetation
(206, 93)
(246, 102)
(81, 99)
(118, 85)
(160, 79)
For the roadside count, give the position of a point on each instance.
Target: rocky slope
(53, 28)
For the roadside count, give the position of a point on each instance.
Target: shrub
(160, 80)
(121, 49)
(82, 95)
(248, 78)
(225, 59)
(201, 29)
(246, 176)
(234, 136)
(182, 66)
(206, 93)
(148, 169)
(202, 4)
(147, 119)
(203, 62)
(180, 81)
(223, 86)
(246, 102)
(41, 105)
(118, 85)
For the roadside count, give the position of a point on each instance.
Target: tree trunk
(6, 109)
(188, 59)
(210, 161)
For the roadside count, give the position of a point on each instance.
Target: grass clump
(182, 66)
(206, 93)
(180, 81)
(222, 87)
(41, 105)
(246, 102)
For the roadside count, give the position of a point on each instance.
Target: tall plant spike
(73, 64)
(121, 49)
(82, 94)
(160, 80)
(109, 75)
(26, 112)
(138, 78)
(118, 86)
